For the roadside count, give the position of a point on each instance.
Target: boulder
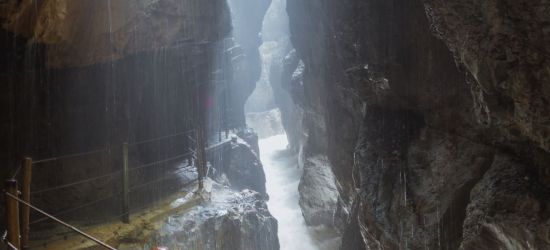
(228, 221)
(318, 193)
(242, 168)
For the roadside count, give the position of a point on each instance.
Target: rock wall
(318, 194)
(247, 17)
(431, 114)
(276, 44)
(81, 32)
(86, 75)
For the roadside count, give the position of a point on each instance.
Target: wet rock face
(504, 45)
(230, 221)
(418, 188)
(244, 169)
(318, 194)
(507, 210)
(80, 32)
(247, 17)
(275, 46)
(426, 109)
(283, 85)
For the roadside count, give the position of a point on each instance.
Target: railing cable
(219, 144)
(181, 186)
(77, 208)
(76, 183)
(70, 156)
(164, 177)
(160, 138)
(106, 149)
(5, 240)
(16, 173)
(159, 162)
(61, 222)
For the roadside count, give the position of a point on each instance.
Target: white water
(283, 177)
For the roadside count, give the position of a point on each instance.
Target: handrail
(106, 149)
(160, 138)
(70, 156)
(11, 246)
(188, 136)
(148, 205)
(164, 177)
(5, 240)
(160, 161)
(77, 208)
(219, 144)
(76, 183)
(16, 172)
(110, 175)
(61, 222)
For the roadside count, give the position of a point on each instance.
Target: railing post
(125, 185)
(26, 196)
(201, 157)
(12, 214)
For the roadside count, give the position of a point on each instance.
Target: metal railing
(12, 198)
(17, 235)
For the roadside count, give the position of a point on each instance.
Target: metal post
(26, 196)
(12, 214)
(125, 185)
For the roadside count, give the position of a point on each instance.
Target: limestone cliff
(247, 17)
(425, 109)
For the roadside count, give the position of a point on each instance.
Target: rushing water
(283, 177)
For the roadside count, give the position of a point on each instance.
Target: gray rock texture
(110, 30)
(431, 114)
(80, 76)
(229, 220)
(245, 170)
(246, 17)
(318, 194)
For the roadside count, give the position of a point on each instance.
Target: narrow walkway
(283, 178)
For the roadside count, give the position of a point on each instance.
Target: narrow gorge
(275, 124)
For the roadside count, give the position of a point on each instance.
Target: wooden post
(125, 185)
(12, 214)
(201, 156)
(26, 196)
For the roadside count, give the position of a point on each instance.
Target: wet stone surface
(226, 220)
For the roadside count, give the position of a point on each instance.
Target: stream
(283, 177)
